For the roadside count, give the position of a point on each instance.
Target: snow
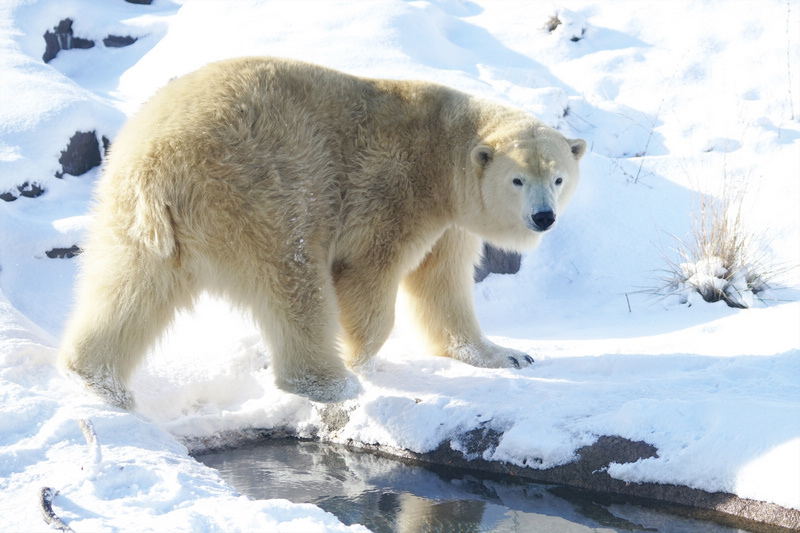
(671, 97)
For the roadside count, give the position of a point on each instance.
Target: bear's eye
(559, 181)
(517, 182)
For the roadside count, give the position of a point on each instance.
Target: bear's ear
(482, 155)
(578, 147)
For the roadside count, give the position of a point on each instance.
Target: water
(390, 496)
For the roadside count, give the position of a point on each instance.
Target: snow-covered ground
(672, 97)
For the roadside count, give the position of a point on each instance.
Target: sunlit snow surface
(672, 97)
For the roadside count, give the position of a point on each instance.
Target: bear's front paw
(486, 354)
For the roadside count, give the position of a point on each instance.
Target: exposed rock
(231, 440)
(82, 154)
(141, 2)
(474, 443)
(61, 38)
(117, 41)
(497, 261)
(61, 253)
(587, 478)
(28, 190)
(334, 416)
(577, 37)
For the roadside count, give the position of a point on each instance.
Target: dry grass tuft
(552, 24)
(721, 259)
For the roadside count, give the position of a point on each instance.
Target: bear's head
(525, 184)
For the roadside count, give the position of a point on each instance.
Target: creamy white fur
(308, 197)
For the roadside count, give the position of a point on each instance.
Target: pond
(388, 495)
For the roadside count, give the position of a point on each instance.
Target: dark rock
(233, 439)
(61, 38)
(334, 416)
(140, 2)
(476, 441)
(28, 190)
(578, 37)
(609, 450)
(61, 253)
(82, 154)
(117, 41)
(496, 261)
(588, 473)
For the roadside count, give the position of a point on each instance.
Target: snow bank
(136, 478)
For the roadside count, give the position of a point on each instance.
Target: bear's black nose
(543, 219)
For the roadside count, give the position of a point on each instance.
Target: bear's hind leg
(125, 299)
(440, 295)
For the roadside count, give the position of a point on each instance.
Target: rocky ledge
(584, 479)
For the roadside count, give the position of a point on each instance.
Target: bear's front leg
(298, 318)
(366, 294)
(440, 295)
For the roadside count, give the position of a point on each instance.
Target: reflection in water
(390, 496)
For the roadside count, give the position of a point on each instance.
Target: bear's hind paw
(107, 386)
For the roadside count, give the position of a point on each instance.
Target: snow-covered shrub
(721, 259)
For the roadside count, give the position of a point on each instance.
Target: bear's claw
(515, 362)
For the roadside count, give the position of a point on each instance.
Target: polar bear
(309, 197)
